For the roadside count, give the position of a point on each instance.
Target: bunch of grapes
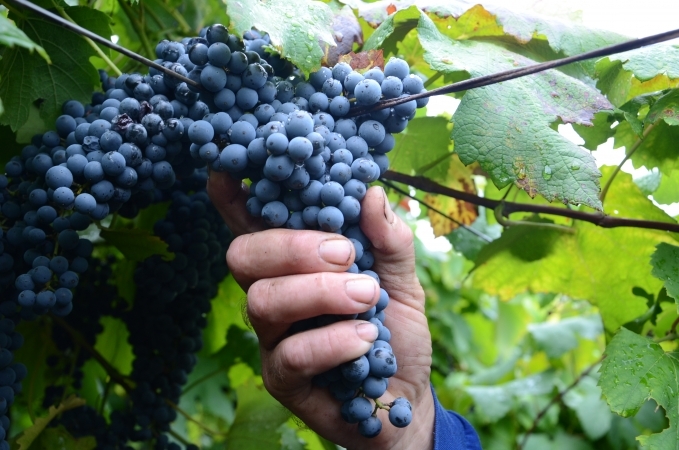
(309, 163)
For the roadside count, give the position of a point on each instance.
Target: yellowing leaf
(459, 177)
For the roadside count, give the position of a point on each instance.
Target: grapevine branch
(511, 74)
(472, 83)
(554, 400)
(599, 219)
(100, 40)
(437, 211)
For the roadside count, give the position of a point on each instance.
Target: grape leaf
(492, 403)
(558, 338)
(136, 245)
(408, 157)
(629, 74)
(657, 149)
(29, 435)
(668, 191)
(295, 27)
(635, 369)
(258, 417)
(112, 344)
(464, 20)
(226, 311)
(460, 178)
(665, 262)
(596, 264)
(594, 415)
(10, 36)
(665, 108)
(26, 77)
(506, 126)
(59, 437)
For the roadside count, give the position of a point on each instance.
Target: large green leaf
(258, 418)
(464, 20)
(635, 369)
(26, 77)
(506, 126)
(596, 264)
(295, 27)
(10, 36)
(665, 262)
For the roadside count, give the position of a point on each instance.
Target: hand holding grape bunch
(292, 275)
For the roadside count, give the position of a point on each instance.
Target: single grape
(370, 427)
(400, 414)
(355, 370)
(330, 219)
(382, 362)
(275, 214)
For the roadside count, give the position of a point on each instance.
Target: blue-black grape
(370, 427)
(275, 214)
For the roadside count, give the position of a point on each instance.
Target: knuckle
(258, 300)
(294, 356)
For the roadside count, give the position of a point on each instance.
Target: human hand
(293, 275)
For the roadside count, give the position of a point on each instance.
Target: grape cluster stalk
(152, 138)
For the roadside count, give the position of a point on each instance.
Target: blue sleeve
(452, 431)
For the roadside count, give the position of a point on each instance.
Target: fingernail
(388, 213)
(361, 289)
(335, 251)
(367, 331)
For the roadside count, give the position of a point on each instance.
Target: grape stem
(100, 40)
(511, 74)
(597, 218)
(380, 405)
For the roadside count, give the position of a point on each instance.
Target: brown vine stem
(629, 154)
(554, 400)
(100, 40)
(494, 78)
(599, 219)
(437, 211)
(78, 338)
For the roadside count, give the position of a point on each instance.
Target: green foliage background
(520, 325)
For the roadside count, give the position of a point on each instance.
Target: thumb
(229, 196)
(392, 247)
